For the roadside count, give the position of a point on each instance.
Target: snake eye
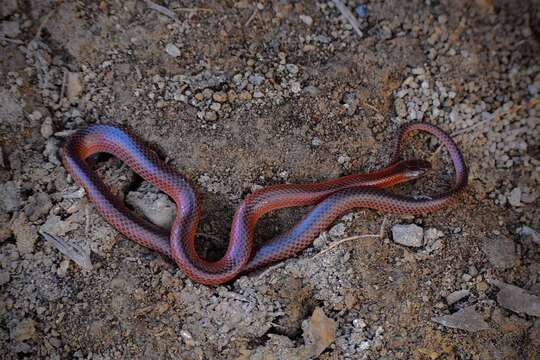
(416, 168)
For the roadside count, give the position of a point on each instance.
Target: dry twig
(380, 235)
(42, 25)
(161, 9)
(349, 16)
(14, 41)
(251, 17)
(169, 13)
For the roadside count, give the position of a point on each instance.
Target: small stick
(349, 16)
(42, 25)
(495, 115)
(380, 235)
(14, 41)
(161, 9)
(270, 269)
(371, 107)
(87, 216)
(212, 237)
(251, 17)
(184, 9)
(63, 89)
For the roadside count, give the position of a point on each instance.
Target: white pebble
(172, 50)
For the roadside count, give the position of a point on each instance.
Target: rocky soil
(238, 95)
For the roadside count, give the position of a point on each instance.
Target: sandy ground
(237, 95)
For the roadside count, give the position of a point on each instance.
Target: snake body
(331, 199)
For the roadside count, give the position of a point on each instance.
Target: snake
(329, 200)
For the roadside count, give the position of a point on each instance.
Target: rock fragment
(47, 128)
(158, 208)
(319, 333)
(7, 7)
(517, 299)
(25, 234)
(529, 232)
(515, 197)
(4, 277)
(11, 107)
(24, 330)
(337, 231)
(172, 50)
(220, 97)
(10, 29)
(10, 200)
(75, 252)
(5, 229)
(74, 86)
(457, 296)
(465, 319)
(38, 205)
(306, 19)
(500, 251)
(409, 235)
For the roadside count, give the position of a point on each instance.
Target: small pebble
(24, 330)
(245, 96)
(256, 79)
(457, 296)
(4, 277)
(308, 20)
(63, 268)
(47, 128)
(361, 11)
(292, 68)
(172, 50)
(296, 87)
(515, 197)
(74, 86)
(220, 97)
(337, 230)
(210, 116)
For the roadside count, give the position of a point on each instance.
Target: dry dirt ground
(239, 95)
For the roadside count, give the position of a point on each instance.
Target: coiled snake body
(331, 199)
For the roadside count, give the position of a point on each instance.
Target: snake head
(413, 169)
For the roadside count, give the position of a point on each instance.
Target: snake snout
(416, 168)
